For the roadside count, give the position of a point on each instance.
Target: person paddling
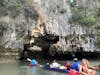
(75, 67)
(55, 64)
(33, 62)
(68, 65)
(86, 68)
(76, 64)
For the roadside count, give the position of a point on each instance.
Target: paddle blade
(28, 59)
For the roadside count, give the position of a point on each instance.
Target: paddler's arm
(92, 67)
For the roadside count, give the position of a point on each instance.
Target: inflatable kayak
(57, 69)
(73, 72)
(31, 65)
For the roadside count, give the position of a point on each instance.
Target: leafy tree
(98, 39)
(2, 8)
(83, 15)
(98, 11)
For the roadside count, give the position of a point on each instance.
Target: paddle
(97, 67)
(28, 59)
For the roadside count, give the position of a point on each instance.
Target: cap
(75, 59)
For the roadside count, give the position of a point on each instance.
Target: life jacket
(76, 66)
(33, 62)
(68, 66)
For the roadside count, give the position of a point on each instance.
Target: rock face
(42, 18)
(72, 36)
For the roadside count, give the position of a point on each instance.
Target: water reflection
(6, 69)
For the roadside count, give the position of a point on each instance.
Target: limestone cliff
(73, 21)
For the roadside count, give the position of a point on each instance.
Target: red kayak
(73, 72)
(33, 65)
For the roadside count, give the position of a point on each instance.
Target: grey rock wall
(56, 13)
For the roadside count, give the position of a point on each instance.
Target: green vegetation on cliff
(9, 8)
(84, 15)
(98, 39)
(2, 28)
(3, 8)
(98, 11)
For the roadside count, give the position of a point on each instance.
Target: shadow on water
(70, 55)
(39, 55)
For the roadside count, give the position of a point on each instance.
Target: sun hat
(75, 59)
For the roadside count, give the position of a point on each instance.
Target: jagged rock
(35, 48)
(39, 30)
(42, 17)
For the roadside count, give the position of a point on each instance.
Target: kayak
(31, 65)
(57, 69)
(73, 72)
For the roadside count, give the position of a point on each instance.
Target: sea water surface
(24, 69)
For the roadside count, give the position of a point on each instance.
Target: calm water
(17, 69)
